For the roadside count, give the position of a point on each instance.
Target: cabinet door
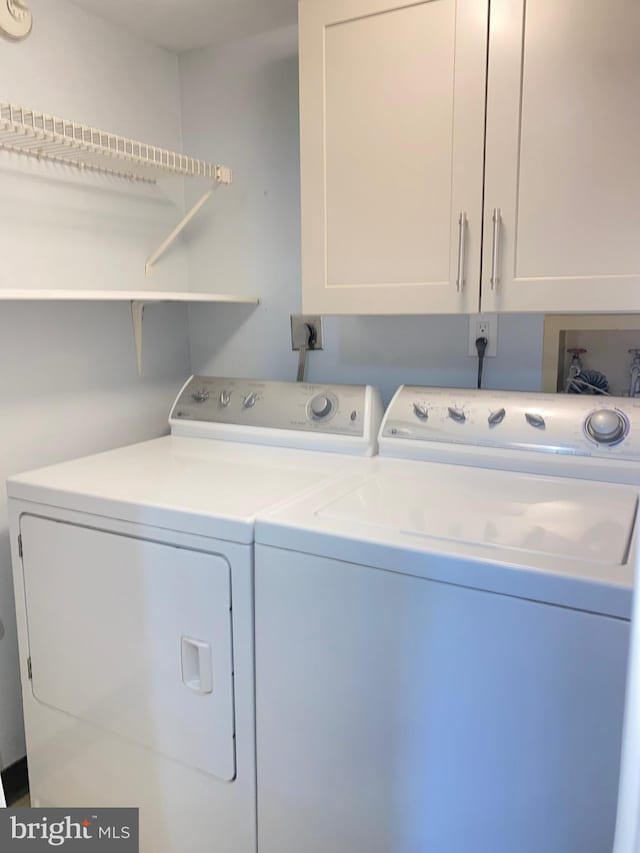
(563, 157)
(392, 123)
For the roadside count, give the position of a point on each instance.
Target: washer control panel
(332, 409)
(559, 423)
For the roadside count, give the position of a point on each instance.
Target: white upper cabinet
(392, 131)
(563, 157)
(393, 103)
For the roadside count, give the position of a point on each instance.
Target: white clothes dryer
(441, 639)
(133, 574)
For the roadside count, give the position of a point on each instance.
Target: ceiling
(185, 24)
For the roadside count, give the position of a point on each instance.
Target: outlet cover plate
(298, 329)
(483, 326)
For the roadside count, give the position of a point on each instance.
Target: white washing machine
(627, 838)
(441, 639)
(133, 574)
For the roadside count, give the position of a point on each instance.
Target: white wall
(69, 381)
(240, 105)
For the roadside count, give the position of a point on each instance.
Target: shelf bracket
(223, 176)
(137, 315)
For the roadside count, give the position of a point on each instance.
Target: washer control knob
(421, 411)
(497, 417)
(200, 396)
(250, 400)
(225, 398)
(457, 415)
(321, 406)
(536, 421)
(606, 426)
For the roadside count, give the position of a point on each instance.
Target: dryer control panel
(274, 412)
(578, 425)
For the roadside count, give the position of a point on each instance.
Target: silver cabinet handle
(462, 239)
(495, 262)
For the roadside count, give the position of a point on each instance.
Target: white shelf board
(138, 299)
(16, 295)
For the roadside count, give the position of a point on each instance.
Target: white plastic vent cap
(15, 19)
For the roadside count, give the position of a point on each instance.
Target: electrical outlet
(299, 331)
(483, 326)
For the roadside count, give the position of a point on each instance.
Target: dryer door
(133, 636)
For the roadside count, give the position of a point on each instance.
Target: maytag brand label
(69, 829)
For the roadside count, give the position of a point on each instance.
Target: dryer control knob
(225, 398)
(457, 415)
(421, 411)
(321, 406)
(497, 417)
(606, 426)
(250, 400)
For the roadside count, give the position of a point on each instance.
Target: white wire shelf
(48, 137)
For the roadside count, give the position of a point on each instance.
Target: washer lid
(528, 513)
